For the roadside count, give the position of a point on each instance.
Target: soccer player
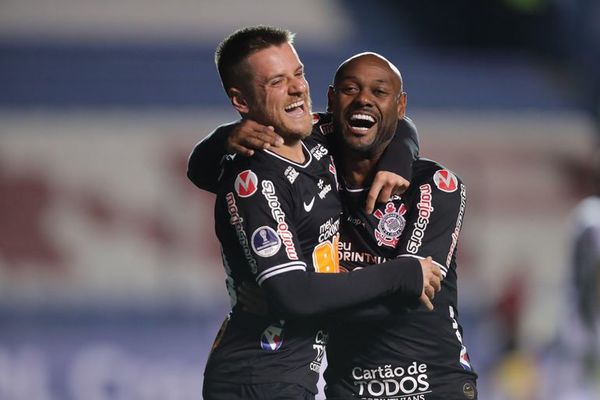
(277, 216)
(406, 353)
(412, 353)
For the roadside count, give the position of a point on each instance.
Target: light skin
(277, 95)
(368, 88)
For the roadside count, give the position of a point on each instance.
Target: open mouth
(361, 123)
(295, 109)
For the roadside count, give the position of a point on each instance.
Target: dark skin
(366, 101)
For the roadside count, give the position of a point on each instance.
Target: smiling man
(277, 216)
(390, 352)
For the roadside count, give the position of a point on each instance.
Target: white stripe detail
(280, 269)
(443, 268)
(306, 163)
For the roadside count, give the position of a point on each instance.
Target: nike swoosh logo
(309, 206)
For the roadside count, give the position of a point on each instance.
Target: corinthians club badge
(391, 224)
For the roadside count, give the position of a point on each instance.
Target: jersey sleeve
(307, 294)
(204, 163)
(260, 212)
(402, 151)
(433, 225)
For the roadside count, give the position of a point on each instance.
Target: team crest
(391, 224)
(246, 183)
(272, 337)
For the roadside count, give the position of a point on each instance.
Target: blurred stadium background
(111, 285)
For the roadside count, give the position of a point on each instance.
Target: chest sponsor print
(291, 174)
(392, 381)
(391, 224)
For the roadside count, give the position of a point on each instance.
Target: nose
(298, 86)
(363, 98)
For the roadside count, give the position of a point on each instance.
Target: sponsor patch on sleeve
(445, 180)
(265, 241)
(246, 183)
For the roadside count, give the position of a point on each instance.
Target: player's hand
(432, 277)
(384, 186)
(249, 135)
(253, 299)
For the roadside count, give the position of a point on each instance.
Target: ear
(330, 96)
(402, 105)
(238, 100)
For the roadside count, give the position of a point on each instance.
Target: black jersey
(274, 217)
(413, 353)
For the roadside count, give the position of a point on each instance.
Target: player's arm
(274, 253)
(241, 137)
(433, 226)
(432, 229)
(302, 294)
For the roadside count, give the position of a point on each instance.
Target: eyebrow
(343, 78)
(270, 78)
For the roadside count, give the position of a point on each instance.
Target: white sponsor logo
(319, 151)
(425, 209)
(324, 188)
(346, 253)
(461, 213)
(309, 206)
(268, 190)
(291, 174)
(392, 381)
(328, 229)
(321, 340)
(237, 223)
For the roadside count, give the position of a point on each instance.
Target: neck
(292, 150)
(358, 171)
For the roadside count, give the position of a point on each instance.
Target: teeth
(363, 117)
(294, 105)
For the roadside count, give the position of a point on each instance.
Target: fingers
(268, 136)
(249, 136)
(386, 193)
(238, 149)
(371, 199)
(401, 185)
(426, 302)
(384, 186)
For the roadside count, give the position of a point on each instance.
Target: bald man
(411, 352)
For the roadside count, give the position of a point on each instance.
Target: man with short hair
(277, 216)
(402, 352)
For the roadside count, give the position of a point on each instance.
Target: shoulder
(438, 186)
(427, 171)
(239, 170)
